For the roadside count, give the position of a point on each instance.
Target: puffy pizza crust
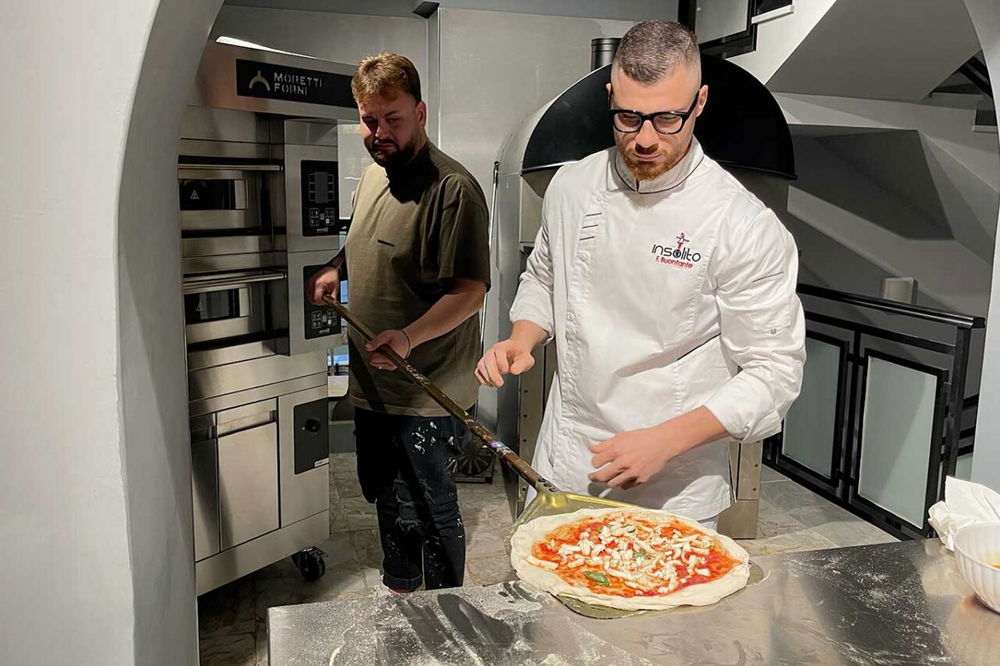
(701, 594)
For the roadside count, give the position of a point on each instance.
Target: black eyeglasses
(664, 122)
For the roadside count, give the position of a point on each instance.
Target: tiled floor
(232, 619)
(792, 518)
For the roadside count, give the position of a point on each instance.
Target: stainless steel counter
(900, 603)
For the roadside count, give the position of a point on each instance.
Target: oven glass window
(208, 194)
(212, 306)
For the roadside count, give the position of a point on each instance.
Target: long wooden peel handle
(502, 451)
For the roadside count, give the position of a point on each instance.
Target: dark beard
(400, 157)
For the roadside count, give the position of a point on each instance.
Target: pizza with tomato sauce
(632, 559)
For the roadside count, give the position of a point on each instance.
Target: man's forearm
(527, 333)
(338, 263)
(452, 309)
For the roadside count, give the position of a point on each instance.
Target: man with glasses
(670, 292)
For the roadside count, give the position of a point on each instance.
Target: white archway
(153, 378)
(95, 480)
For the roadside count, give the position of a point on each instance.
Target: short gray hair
(652, 50)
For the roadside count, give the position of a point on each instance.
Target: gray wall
(890, 49)
(825, 262)
(625, 10)
(497, 68)
(893, 215)
(986, 461)
(629, 10)
(343, 38)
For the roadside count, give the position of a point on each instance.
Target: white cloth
(661, 300)
(711, 523)
(965, 503)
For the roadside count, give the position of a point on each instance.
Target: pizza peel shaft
(501, 450)
(550, 501)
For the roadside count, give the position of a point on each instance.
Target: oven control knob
(312, 425)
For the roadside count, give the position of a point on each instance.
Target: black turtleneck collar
(409, 181)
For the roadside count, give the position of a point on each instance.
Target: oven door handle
(197, 286)
(224, 166)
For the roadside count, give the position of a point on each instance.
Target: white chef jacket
(662, 296)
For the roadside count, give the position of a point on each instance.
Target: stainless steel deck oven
(258, 193)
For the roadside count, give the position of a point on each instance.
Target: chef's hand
(505, 357)
(636, 456)
(395, 339)
(631, 458)
(324, 281)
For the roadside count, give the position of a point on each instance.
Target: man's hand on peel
(325, 281)
(396, 340)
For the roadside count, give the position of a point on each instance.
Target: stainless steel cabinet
(248, 484)
(205, 497)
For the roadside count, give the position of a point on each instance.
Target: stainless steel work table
(899, 603)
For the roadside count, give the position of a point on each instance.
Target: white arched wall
(153, 377)
(985, 16)
(95, 513)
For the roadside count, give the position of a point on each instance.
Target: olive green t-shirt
(413, 231)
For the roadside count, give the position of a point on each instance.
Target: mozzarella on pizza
(629, 558)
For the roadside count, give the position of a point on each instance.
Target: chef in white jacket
(669, 290)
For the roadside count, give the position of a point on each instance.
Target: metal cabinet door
(205, 498)
(305, 454)
(248, 484)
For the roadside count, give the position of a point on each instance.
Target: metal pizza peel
(549, 500)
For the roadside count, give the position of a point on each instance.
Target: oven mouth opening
(275, 335)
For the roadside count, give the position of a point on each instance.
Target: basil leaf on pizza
(598, 578)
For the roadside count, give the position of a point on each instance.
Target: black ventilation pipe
(602, 51)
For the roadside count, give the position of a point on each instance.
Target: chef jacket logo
(680, 256)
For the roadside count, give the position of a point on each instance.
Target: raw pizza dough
(700, 594)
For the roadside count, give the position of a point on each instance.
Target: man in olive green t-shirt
(418, 258)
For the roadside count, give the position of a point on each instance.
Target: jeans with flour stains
(406, 468)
